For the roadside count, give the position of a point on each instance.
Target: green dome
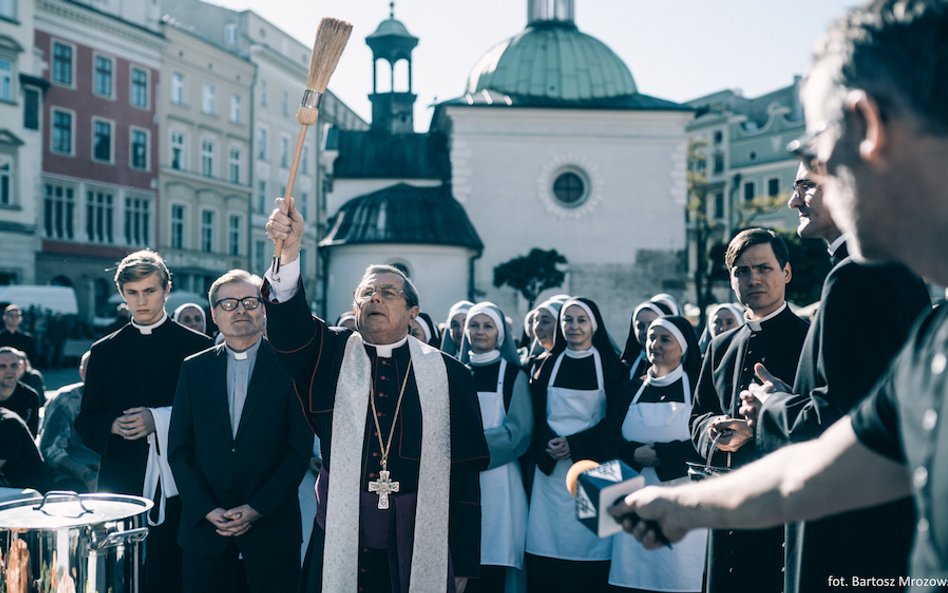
(553, 61)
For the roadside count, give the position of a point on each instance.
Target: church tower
(392, 111)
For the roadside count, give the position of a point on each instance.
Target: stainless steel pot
(72, 543)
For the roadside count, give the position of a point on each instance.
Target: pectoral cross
(383, 487)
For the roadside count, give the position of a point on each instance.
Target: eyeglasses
(249, 303)
(388, 293)
(804, 150)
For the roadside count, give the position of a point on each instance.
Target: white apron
(680, 567)
(503, 500)
(553, 530)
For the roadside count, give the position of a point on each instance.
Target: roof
(404, 214)
(552, 60)
(635, 101)
(376, 154)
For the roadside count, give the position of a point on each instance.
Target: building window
(235, 109)
(6, 80)
(259, 249)
(8, 9)
(284, 152)
(286, 103)
(230, 35)
(58, 211)
(207, 231)
(234, 235)
(750, 191)
(262, 196)
(139, 91)
(61, 141)
(570, 189)
(718, 162)
(62, 63)
(138, 158)
(262, 139)
(102, 140)
(177, 88)
(207, 98)
(99, 217)
(178, 154)
(177, 226)
(719, 205)
(773, 187)
(303, 204)
(304, 160)
(207, 158)
(137, 221)
(6, 181)
(263, 93)
(234, 165)
(718, 137)
(103, 76)
(31, 108)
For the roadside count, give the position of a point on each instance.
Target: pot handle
(120, 538)
(62, 493)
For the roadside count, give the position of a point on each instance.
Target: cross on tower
(383, 487)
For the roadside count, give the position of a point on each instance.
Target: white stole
(157, 469)
(429, 566)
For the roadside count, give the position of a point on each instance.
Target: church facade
(550, 146)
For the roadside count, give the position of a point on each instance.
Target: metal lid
(68, 509)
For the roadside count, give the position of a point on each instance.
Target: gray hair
(233, 276)
(411, 293)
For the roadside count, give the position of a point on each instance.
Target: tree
(531, 274)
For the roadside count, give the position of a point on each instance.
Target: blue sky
(676, 49)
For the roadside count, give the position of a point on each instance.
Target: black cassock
(128, 369)
(864, 319)
(740, 560)
(312, 352)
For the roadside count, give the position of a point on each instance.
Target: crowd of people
(778, 454)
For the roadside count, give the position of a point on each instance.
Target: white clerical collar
(580, 353)
(835, 245)
(147, 329)
(755, 324)
(243, 354)
(485, 357)
(385, 350)
(665, 380)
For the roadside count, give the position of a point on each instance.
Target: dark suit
(864, 319)
(262, 466)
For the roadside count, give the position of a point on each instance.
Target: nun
(649, 432)
(668, 302)
(423, 328)
(191, 316)
(488, 348)
(544, 332)
(722, 317)
(571, 391)
(634, 358)
(454, 327)
(346, 320)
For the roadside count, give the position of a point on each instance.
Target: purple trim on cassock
(375, 530)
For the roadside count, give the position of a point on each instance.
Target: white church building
(551, 145)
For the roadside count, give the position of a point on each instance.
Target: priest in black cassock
(126, 408)
(758, 263)
(400, 430)
(864, 319)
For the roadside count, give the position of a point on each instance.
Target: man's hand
(645, 456)
(754, 396)
(134, 424)
(734, 433)
(460, 584)
(286, 224)
(776, 384)
(217, 519)
(558, 448)
(656, 506)
(750, 405)
(239, 519)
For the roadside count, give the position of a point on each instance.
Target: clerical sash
(429, 566)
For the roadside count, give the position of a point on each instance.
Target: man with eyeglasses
(126, 408)
(400, 429)
(865, 315)
(14, 337)
(239, 446)
(880, 74)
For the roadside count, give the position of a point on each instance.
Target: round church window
(570, 189)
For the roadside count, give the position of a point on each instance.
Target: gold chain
(386, 449)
